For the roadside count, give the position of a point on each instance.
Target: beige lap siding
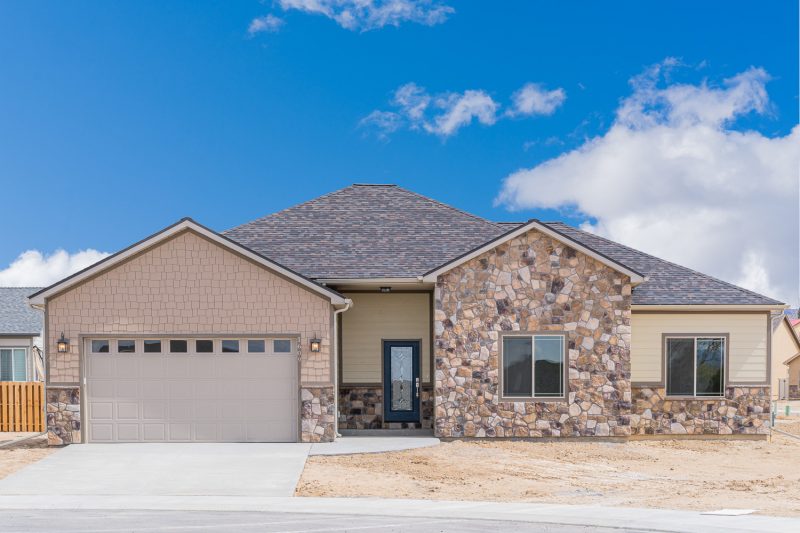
(747, 351)
(188, 285)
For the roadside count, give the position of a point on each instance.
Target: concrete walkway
(566, 515)
(351, 445)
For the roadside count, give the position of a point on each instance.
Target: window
(256, 346)
(695, 366)
(204, 346)
(100, 346)
(533, 366)
(152, 346)
(282, 346)
(13, 364)
(178, 346)
(126, 346)
(230, 346)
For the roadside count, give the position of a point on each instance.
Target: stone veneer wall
(361, 407)
(63, 407)
(745, 410)
(318, 414)
(532, 283)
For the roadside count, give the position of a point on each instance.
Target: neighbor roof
(16, 316)
(366, 231)
(385, 231)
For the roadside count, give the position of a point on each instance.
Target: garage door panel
(128, 432)
(127, 367)
(154, 410)
(137, 397)
(127, 411)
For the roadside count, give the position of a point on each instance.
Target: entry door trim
(412, 415)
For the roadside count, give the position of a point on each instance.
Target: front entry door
(401, 381)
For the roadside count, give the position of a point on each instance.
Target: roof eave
(709, 307)
(38, 298)
(636, 278)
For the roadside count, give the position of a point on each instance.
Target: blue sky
(117, 119)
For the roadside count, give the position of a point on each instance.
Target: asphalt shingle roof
(667, 283)
(365, 231)
(385, 231)
(16, 316)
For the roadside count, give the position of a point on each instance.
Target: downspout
(348, 303)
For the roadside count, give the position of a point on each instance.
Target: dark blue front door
(401, 381)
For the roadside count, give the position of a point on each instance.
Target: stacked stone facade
(318, 414)
(745, 410)
(536, 284)
(361, 407)
(63, 415)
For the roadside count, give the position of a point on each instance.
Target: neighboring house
(20, 336)
(785, 351)
(375, 307)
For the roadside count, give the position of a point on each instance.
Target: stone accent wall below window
(745, 410)
(63, 415)
(317, 414)
(537, 284)
(362, 408)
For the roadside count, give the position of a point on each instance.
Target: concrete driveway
(163, 470)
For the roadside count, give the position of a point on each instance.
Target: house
(20, 336)
(785, 350)
(373, 307)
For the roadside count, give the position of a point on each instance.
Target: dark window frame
(725, 337)
(565, 366)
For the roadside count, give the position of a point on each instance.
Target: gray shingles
(371, 231)
(16, 316)
(667, 283)
(365, 231)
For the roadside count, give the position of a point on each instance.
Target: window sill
(529, 399)
(710, 398)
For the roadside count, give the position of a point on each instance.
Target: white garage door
(191, 390)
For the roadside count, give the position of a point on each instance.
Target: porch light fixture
(386, 289)
(315, 344)
(62, 344)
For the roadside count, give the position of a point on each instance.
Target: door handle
(417, 387)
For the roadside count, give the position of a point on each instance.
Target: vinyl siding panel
(747, 351)
(377, 316)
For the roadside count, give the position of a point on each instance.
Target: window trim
(501, 372)
(725, 355)
(27, 365)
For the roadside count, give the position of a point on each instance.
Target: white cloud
(33, 269)
(534, 99)
(265, 24)
(365, 15)
(444, 114)
(673, 177)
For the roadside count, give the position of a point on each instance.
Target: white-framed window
(695, 365)
(282, 345)
(533, 366)
(13, 364)
(100, 346)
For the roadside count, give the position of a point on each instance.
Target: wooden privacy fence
(21, 406)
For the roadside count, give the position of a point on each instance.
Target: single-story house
(373, 307)
(20, 336)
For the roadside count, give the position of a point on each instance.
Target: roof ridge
(437, 202)
(301, 204)
(668, 262)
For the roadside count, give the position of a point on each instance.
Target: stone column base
(63, 415)
(317, 414)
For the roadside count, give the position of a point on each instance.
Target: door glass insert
(401, 377)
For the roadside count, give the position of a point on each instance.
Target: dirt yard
(678, 474)
(14, 457)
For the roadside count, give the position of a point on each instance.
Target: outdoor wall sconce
(62, 344)
(315, 344)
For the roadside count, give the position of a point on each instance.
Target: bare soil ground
(676, 474)
(17, 456)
